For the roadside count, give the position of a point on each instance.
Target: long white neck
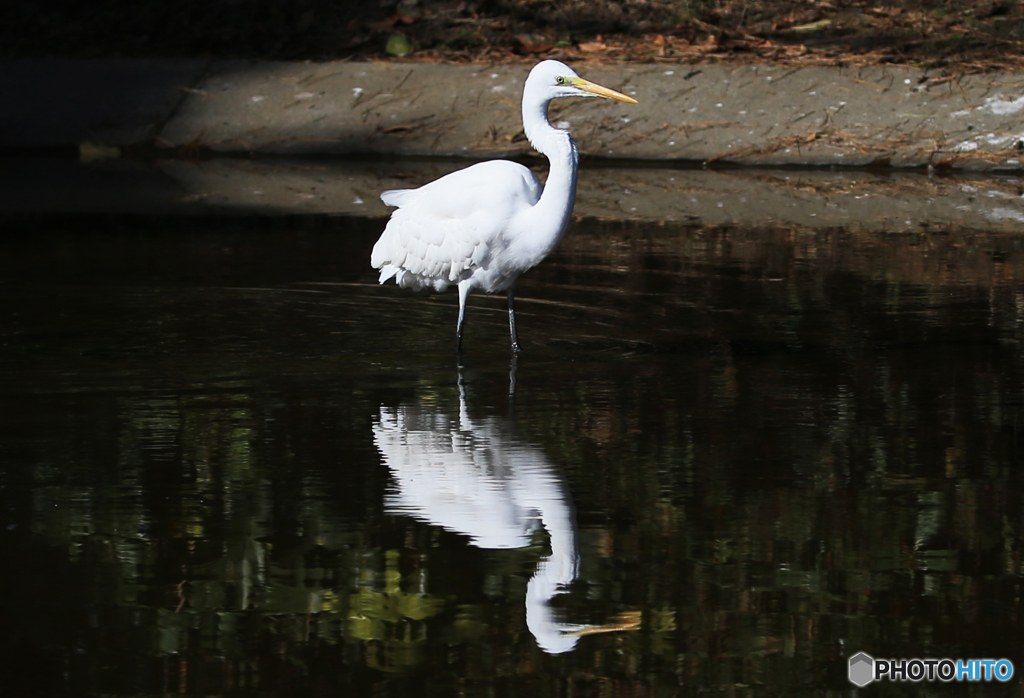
(550, 217)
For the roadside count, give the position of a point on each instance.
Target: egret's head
(555, 79)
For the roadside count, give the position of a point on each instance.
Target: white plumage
(454, 226)
(481, 227)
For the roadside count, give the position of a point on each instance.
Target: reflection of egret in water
(476, 478)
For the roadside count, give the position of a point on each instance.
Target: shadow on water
(230, 463)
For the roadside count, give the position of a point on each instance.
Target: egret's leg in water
(463, 296)
(512, 322)
(512, 367)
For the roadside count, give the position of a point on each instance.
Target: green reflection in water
(782, 448)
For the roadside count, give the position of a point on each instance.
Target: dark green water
(230, 464)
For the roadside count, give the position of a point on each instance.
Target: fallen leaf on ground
(812, 26)
(533, 43)
(398, 45)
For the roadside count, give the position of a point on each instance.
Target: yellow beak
(595, 89)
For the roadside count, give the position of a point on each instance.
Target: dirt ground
(954, 38)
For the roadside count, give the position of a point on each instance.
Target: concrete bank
(908, 201)
(748, 115)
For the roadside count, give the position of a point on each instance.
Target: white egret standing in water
(483, 226)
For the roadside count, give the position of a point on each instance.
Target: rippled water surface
(231, 464)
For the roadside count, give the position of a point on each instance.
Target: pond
(728, 459)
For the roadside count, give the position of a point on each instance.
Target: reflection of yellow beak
(596, 89)
(624, 622)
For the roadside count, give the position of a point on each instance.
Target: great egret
(483, 226)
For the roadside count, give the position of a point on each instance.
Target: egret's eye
(560, 80)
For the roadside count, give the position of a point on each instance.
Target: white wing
(446, 228)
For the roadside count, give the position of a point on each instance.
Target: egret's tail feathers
(388, 271)
(397, 197)
(406, 279)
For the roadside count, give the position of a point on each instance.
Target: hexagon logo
(862, 669)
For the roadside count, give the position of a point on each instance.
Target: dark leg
(463, 411)
(512, 322)
(513, 366)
